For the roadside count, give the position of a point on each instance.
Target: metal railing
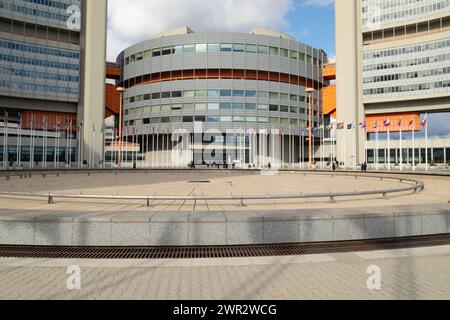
(413, 186)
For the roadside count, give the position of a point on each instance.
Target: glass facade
(29, 69)
(422, 68)
(377, 13)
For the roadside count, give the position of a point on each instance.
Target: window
(263, 107)
(294, 110)
(274, 95)
(213, 48)
(284, 108)
(147, 96)
(284, 52)
(156, 109)
(284, 121)
(188, 119)
(294, 55)
(250, 94)
(188, 48)
(263, 94)
(213, 118)
(238, 93)
(284, 96)
(250, 119)
(263, 49)
(274, 108)
(166, 108)
(156, 95)
(156, 52)
(147, 54)
(273, 51)
(226, 119)
(165, 119)
(250, 48)
(238, 106)
(200, 93)
(188, 106)
(166, 51)
(238, 47)
(263, 120)
(213, 106)
(177, 107)
(165, 95)
(225, 106)
(301, 56)
(294, 122)
(178, 49)
(274, 120)
(226, 47)
(201, 48)
(213, 93)
(139, 56)
(147, 109)
(188, 94)
(238, 119)
(250, 106)
(225, 93)
(294, 97)
(177, 94)
(155, 120)
(176, 119)
(200, 107)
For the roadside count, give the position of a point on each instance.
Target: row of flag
(387, 123)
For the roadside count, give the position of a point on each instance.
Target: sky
(132, 21)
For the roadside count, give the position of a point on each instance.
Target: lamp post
(310, 92)
(120, 90)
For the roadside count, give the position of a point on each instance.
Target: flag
(351, 126)
(411, 123)
(424, 122)
(375, 125)
(363, 125)
(340, 126)
(387, 123)
(399, 123)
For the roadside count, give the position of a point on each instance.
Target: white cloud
(136, 20)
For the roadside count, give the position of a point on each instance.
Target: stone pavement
(419, 273)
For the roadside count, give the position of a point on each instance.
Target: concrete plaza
(420, 273)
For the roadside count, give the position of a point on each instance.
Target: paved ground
(421, 273)
(437, 192)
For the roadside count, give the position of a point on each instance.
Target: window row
(39, 62)
(407, 75)
(216, 119)
(215, 94)
(38, 75)
(408, 50)
(373, 14)
(215, 107)
(406, 63)
(33, 12)
(39, 49)
(223, 48)
(38, 88)
(408, 88)
(50, 3)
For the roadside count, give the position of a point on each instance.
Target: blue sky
(313, 23)
(309, 21)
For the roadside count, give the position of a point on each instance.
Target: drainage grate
(219, 252)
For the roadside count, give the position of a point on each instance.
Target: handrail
(414, 186)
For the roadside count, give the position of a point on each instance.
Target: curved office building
(221, 97)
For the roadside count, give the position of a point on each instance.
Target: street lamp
(310, 92)
(120, 90)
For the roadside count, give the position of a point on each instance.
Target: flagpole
(401, 146)
(378, 150)
(413, 149)
(389, 148)
(426, 142)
